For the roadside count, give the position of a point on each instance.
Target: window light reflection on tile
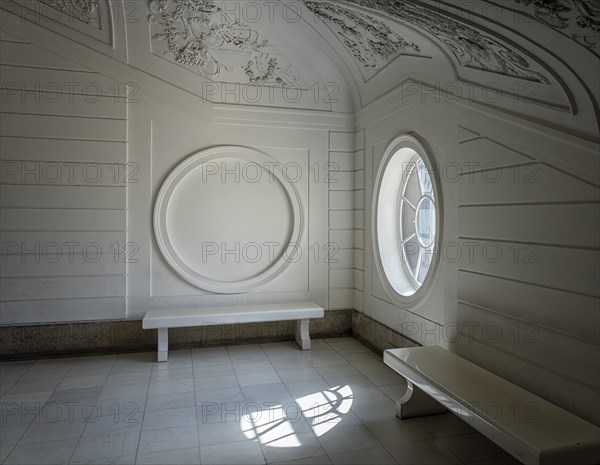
(326, 408)
(274, 427)
(271, 427)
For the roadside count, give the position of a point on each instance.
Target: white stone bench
(162, 320)
(528, 427)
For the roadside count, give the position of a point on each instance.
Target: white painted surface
(169, 318)
(164, 319)
(63, 156)
(532, 429)
(165, 120)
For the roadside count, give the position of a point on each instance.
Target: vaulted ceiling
(529, 57)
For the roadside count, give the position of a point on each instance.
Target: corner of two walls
(521, 208)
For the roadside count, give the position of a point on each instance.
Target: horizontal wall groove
(111, 186)
(528, 204)
(542, 244)
(538, 366)
(389, 302)
(83, 71)
(517, 165)
(106, 253)
(529, 283)
(30, 230)
(58, 115)
(494, 141)
(64, 276)
(500, 167)
(57, 162)
(54, 299)
(63, 138)
(65, 208)
(530, 322)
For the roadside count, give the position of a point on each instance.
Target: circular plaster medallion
(227, 219)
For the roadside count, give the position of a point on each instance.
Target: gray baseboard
(52, 340)
(377, 336)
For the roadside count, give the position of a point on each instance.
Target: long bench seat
(528, 427)
(162, 320)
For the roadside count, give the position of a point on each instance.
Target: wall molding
(213, 155)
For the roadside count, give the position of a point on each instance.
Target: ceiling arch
(343, 54)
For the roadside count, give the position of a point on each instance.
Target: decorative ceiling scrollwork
(203, 37)
(371, 42)
(99, 24)
(470, 47)
(86, 11)
(577, 19)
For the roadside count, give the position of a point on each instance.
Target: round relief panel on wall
(227, 219)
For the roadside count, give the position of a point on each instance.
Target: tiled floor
(268, 403)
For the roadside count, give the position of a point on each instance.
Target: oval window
(406, 217)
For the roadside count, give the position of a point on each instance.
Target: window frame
(400, 290)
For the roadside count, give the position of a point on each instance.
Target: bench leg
(415, 403)
(163, 344)
(302, 334)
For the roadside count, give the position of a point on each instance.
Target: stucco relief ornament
(579, 19)
(470, 47)
(86, 11)
(372, 42)
(201, 35)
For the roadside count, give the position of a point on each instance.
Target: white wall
(524, 200)
(147, 133)
(545, 314)
(63, 155)
(163, 135)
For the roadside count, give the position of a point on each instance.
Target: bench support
(302, 334)
(163, 344)
(415, 403)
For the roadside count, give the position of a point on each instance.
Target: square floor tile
(398, 432)
(180, 437)
(171, 387)
(42, 453)
(292, 446)
(444, 425)
(221, 369)
(472, 447)
(218, 396)
(169, 418)
(375, 412)
(169, 401)
(347, 439)
(215, 382)
(105, 447)
(252, 379)
(429, 452)
(377, 455)
(221, 433)
(44, 431)
(113, 424)
(238, 453)
(189, 456)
